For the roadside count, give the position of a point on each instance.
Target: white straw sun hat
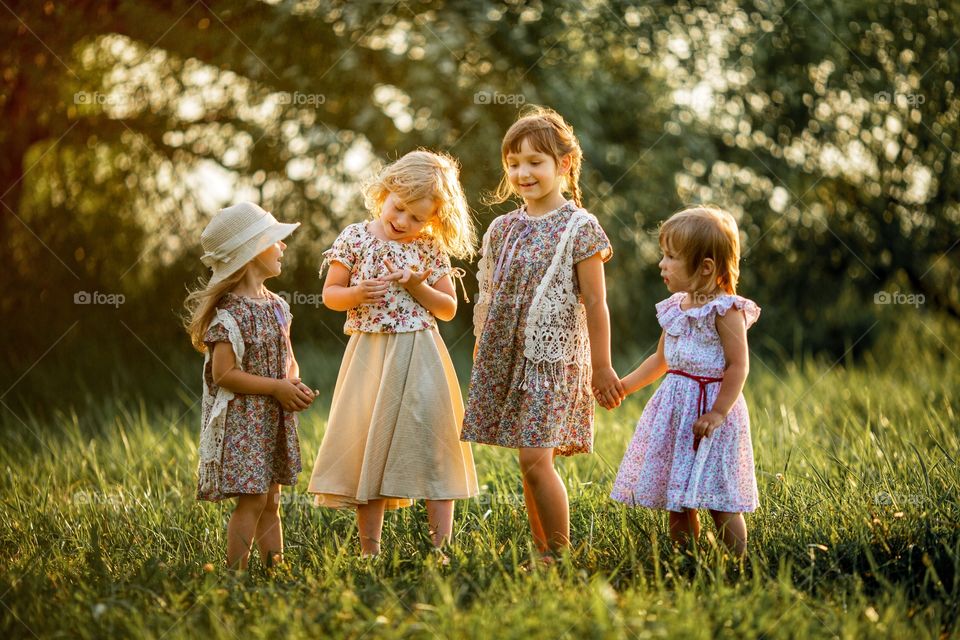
(236, 235)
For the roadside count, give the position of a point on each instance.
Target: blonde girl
(692, 449)
(251, 384)
(541, 321)
(394, 430)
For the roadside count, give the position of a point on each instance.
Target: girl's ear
(565, 163)
(708, 267)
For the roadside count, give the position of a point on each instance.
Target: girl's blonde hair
(428, 174)
(548, 133)
(700, 232)
(201, 305)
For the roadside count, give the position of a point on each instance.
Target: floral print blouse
(363, 254)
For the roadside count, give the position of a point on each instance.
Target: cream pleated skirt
(394, 427)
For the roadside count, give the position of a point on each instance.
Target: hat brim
(251, 249)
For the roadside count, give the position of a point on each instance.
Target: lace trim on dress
(214, 412)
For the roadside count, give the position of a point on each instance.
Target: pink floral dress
(260, 445)
(661, 469)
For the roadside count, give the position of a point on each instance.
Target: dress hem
(562, 450)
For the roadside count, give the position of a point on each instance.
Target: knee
(534, 464)
(252, 503)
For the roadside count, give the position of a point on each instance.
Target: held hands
(293, 395)
(409, 278)
(706, 425)
(607, 388)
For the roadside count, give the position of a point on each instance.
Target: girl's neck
(251, 286)
(544, 205)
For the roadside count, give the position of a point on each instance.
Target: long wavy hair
(201, 306)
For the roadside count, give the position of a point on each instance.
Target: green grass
(856, 534)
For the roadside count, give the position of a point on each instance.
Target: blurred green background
(826, 128)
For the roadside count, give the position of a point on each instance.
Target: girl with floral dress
(394, 429)
(541, 321)
(251, 384)
(691, 449)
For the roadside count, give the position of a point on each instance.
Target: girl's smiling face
(403, 221)
(535, 175)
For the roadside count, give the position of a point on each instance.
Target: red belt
(703, 381)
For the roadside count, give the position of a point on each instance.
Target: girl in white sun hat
(251, 384)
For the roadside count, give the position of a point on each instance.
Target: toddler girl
(691, 449)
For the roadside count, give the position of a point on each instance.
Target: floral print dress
(260, 445)
(501, 410)
(661, 469)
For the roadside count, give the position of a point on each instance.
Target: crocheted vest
(555, 334)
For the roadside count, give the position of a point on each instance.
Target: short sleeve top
(357, 249)
(691, 341)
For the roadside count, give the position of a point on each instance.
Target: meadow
(856, 534)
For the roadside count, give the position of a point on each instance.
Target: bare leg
(440, 521)
(536, 528)
(733, 531)
(242, 528)
(370, 523)
(549, 495)
(270, 530)
(684, 526)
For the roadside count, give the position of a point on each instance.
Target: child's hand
(305, 388)
(607, 388)
(409, 278)
(706, 425)
(293, 395)
(371, 291)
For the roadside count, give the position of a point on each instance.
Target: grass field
(856, 534)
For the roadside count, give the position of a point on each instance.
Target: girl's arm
(227, 375)
(293, 371)
(606, 382)
(338, 295)
(733, 336)
(440, 298)
(649, 370)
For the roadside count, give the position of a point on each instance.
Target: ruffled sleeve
(344, 248)
(670, 315)
(225, 327)
(216, 332)
(591, 239)
(724, 303)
